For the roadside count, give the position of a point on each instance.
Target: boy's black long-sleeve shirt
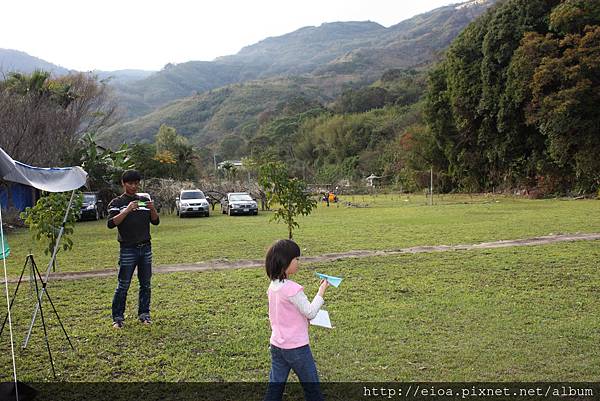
(135, 228)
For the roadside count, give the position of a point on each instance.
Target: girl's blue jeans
(301, 361)
(129, 258)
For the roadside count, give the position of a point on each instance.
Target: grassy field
(521, 314)
(513, 314)
(390, 222)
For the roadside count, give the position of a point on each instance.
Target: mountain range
(362, 50)
(205, 100)
(15, 60)
(18, 61)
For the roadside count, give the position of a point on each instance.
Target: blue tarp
(22, 196)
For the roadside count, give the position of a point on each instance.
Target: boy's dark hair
(279, 257)
(131, 176)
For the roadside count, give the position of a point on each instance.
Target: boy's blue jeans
(129, 258)
(301, 361)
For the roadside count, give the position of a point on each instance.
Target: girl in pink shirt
(289, 313)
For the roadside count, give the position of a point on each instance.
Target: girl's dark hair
(279, 257)
(131, 176)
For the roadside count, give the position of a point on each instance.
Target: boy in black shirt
(132, 216)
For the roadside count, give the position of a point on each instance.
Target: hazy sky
(147, 34)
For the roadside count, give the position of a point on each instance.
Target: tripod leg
(50, 263)
(15, 293)
(53, 308)
(38, 305)
(44, 324)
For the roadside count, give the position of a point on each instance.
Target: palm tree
(229, 169)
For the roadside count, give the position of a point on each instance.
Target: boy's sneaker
(145, 320)
(118, 324)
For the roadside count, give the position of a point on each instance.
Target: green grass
(390, 222)
(515, 314)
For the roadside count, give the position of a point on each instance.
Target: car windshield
(89, 198)
(192, 195)
(240, 197)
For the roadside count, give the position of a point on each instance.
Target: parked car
(92, 207)
(239, 203)
(190, 202)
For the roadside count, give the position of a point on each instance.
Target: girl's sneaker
(118, 324)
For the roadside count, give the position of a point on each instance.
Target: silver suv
(191, 202)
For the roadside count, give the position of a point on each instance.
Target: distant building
(234, 163)
(370, 180)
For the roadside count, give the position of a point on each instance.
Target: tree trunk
(290, 222)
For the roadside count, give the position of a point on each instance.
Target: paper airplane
(322, 319)
(334, 281)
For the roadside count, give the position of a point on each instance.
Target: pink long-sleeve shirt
(289, 312)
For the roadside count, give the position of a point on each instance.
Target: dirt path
(239, 264)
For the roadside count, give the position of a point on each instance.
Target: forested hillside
(515, 102)
(209, 117)
(513, 105)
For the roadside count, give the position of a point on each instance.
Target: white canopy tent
(46, 179)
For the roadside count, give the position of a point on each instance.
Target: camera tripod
(40, 290)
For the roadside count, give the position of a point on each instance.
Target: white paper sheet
(322, 319)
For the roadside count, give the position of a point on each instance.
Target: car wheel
(97, 215)
(256, 213)
(206, 214)
(180, 215)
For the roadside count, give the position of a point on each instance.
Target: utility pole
(431, 187)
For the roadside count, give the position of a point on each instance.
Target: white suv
(191, 201)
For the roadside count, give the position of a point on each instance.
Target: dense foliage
(287, 196)
(104, 166)
(369, 129)
(42, 118)
(515, 101)
(46, 218)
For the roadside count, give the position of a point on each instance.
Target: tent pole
(45, 282)
(12, 347)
